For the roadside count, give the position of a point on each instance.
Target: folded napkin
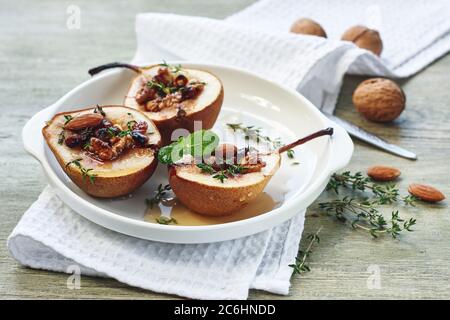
(51, 236)
(414, 34)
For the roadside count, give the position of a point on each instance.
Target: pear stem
(99, 69)
(324, 132)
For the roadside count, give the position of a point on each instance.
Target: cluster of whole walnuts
(377, 99)
(362, 36)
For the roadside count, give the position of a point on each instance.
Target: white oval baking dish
(248, 98)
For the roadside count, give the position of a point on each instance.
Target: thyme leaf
(68, 118)
(172, 68)
(300, 266)
(254, 133)
(206, 168)
(159, 195)
(221, 176)
(85, 172)
(61, 137)
(165, 220)
(99, 109)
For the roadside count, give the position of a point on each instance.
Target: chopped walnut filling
(107, 141)
(105, 151)
(243, 161)
(167, 90)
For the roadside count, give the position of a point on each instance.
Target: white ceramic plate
(249, 99)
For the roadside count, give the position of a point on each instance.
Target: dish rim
(336, 160)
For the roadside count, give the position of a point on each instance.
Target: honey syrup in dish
(172, 208)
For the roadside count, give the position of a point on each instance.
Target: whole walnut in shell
(379, 99)
(364, 38)
(308, 26)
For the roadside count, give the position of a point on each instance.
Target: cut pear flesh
(204, 194)
(204, 108)
(111, 178)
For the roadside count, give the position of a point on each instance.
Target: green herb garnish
(99, 109)
(206, 168)
(234, 169)
(61, 137)
(68, 118)
(165, 220)
(254, 133)
(159, 194)
(111, 132)
(86, 173)
(198, 144)
(221, 176)
(362, 212)
(291, 154)
(174, 69)
(124, 133)
(300, 266)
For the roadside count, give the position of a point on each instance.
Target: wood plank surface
(42, 59)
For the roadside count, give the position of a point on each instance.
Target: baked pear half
(106, 151)
(228, 179)
(204, 193)
(173, 97)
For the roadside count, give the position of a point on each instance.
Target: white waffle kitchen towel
(51, 236)
(414, 34)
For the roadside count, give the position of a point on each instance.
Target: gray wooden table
(41, 59)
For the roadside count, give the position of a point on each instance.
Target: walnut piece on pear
(309, 27)
(364, 38)
(379, 99)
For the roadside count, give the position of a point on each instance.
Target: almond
(382, 173)
(425, 192)
(84, 121)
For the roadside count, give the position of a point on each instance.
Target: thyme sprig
(228, 170)
(254, 133)
(99, 109)
(221, 176)
(365, 216)
(61, 137)
(300, 266)
(85, 172)
(362, 212)
(162, 89)
(159, 195)
(172, 68)
(384, 193)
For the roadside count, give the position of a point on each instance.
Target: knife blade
(372, 139)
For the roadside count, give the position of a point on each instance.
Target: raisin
(188, 92)
(180, 81)
(86, 134)
(140, 126)
(163, 76)
(103, 134)
(139, 138)
(73, 140)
